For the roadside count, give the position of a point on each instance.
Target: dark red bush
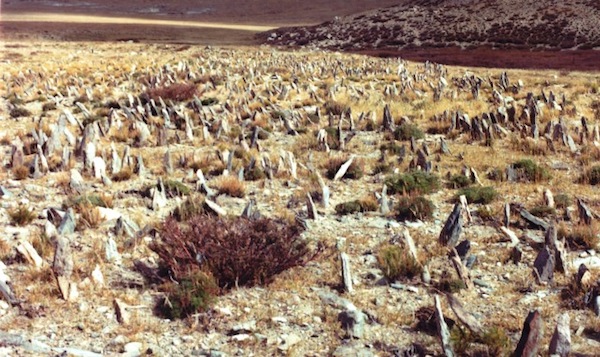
(178, 92)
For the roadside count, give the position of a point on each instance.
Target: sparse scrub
(20, 172)
(192, 206)
(194, 293)
(396, 263)
(414, 181)
(237, 251)
(528, 170)
(21, 216)
(542, 211)
(411, 208)
(407, 131)
(581, 236)
(459, 181)
(562, 200)
(89, 217)
(477, 194)
(101, 200)
(368, 204)
(336, 108)
(591, 176)
(19, 112)
(123, 175)
(231, 186)
(177, 92)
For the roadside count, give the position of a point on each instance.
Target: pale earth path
(96, 19)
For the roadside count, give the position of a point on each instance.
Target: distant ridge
(529, 24)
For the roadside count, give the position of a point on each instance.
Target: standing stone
(353, 321)
(168, 162)
(325, 192)
(561, 339)
(464, 316)
(507, 215)
(99, 167)
(533, 331)
(384, 205)
(62, 267)
(533, 220)
(442, 329)
(549, 198)
(343, 169)
(585, 214)
(76, 181)
(67, 225)
(453, 228)
(556, 246)
(311, 208)
(346, 273)
(544, 266)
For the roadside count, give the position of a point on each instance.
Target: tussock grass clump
(194, 293)
(336, 108)
(542, 211)
(368, 204)
(48, 106)
(355, 171)
(477, 194)
(43, 245)
(89, 217)
(237, 251)
(581, 236)
(192, 206)
(497, 341)
(397, 263)
(458, 181)
(415, 181)
(122, 175)
(562, 200)
(231, 186)
(20, 172)
(411, 208)
(591, 176)
(21, 216)
(173, 188)
(178, 92)
(407, 131)
(528, 170)
(101, 200)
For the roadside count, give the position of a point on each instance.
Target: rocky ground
(469, 126)
(546, 24)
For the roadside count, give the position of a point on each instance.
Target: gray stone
(450, 234)
(353, 321)
(68, 223)
(544, 266)
(532, 334)
(560, 344)
(535, 221)
(346, 273)
(442, 329)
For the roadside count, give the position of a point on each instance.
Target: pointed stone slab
(466, 318)
(311, 208)
(543, 266)
(532, 334)
(537, 222)
(346, 273)
(343, 169)
(560, 344)
(442, 329)
(450, 234)
(213, 206)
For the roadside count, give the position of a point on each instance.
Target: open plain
(111, 126)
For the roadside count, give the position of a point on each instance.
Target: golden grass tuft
(21, 216)
(231, 186)
(20, 172)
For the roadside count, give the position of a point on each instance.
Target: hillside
(108, 149)
(506, 24)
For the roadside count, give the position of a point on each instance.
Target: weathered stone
(560, 344)
(353, 321)
(463, 249)
(544, 266)
(346, 273)
(471, 322)
(76, 181)
(68, 223)
(533, 220)
(343, 169)
(99, 167)
(585, 214)
(450, 234)
(556, 246)
(442, 329)
(532, 334)
(311, 208)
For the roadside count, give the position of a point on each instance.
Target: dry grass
(231, 186)
(20, 172)
(89, 217)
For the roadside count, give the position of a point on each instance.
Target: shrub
(581, 236)
(396, 263)
(459, 181)
(355, 171)
(20, 172)
(477, 194)
(336, 108)
(562, 200)
(122, 175)
(497, 341)
(89, 217)
(413, 181)
(194, 293)
(21, 215)
(48, 106)
(450, 285)
(407, 131)
(178, 92)
(254, 174)
(102, 200)
(362, 205)
(527, 170)
(173, 188)
(192, 206)
(542, 211)
(413, 208)
(19, 112)
(237, 251)
(333, 140)
(591, 176)
(231, 186)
